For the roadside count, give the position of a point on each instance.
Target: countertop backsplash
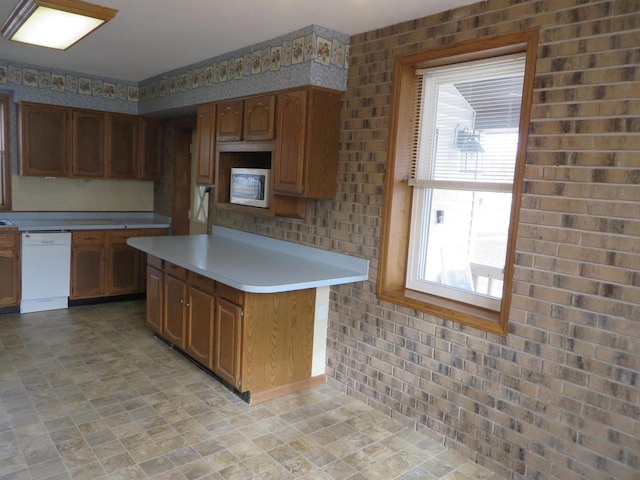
(69, 195)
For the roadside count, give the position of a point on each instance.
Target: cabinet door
(175, 294)
(124, 264)
(9, 270)
(44, 131)
(228, 338)
(259, 118)
(155, 286)
(150, 149)
(206, 140)
(291, 128)
(87, 144)
(122, 140)
(87, 271)
(229, 121)
(200, 326)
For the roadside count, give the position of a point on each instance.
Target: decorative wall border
(251, 61)
(269, 62)
(64, 82)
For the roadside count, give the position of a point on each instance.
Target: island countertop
(254, 263)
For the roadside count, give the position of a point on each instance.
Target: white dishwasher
(46, 271)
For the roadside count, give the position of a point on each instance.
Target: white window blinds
(468, 126)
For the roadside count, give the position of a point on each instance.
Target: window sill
(464, 313)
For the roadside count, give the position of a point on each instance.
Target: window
(455, 177)
(5, 158)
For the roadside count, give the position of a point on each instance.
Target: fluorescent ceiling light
(54, 23)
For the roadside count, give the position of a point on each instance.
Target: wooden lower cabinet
(124, 263)
(175, 311)
(200, 328)
(228, 338)
(88, 273)
(102, 264)
(155, 287)
(9, 269)
(257, 343)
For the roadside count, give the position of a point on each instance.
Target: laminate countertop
(63, 221)
(254, 263)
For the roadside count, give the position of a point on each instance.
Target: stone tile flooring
(88, 393)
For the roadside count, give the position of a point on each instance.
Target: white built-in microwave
(250, 186)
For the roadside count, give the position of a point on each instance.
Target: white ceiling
(149, 37)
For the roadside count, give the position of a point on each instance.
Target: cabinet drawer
(88, 237)
(175, 270)
(155, 262)
(229, 293)
(8, 240)
(202, 283)
(120, 236)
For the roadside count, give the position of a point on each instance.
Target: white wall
(66, 194)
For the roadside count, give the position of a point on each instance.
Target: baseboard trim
(265, 395)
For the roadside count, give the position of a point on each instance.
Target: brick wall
(559, 397)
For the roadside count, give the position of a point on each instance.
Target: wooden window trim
(5, 158)
(398, 194)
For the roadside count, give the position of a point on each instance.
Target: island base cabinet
(155, 286)
(174, 328)
(228, 336)
(261, 344)
(277, 339)
(200, 332)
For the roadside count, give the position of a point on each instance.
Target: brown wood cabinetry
(229, 121)
(175, 306)
(308, 123)
(293, 133)
(155, 287)
(257, 343)
(70, 142)
(259, 118)
(200, 321)
(228, 340)
(88, 270)
(124, 263)
(9, 268)
(150, 149)
(122, 146)
(102, 264)
(87, 144)
(206, 141)
(44, 146)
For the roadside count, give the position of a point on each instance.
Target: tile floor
(88, 393)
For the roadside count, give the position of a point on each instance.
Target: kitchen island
(251, 309)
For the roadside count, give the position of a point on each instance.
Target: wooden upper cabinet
(308, 139)
(206, 141)
(122, 146)
(150, 151)
(292, 129)
(259, 118)
(87, 144)
(44, 149)
(229, 121)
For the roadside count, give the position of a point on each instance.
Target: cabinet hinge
(241, 313)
